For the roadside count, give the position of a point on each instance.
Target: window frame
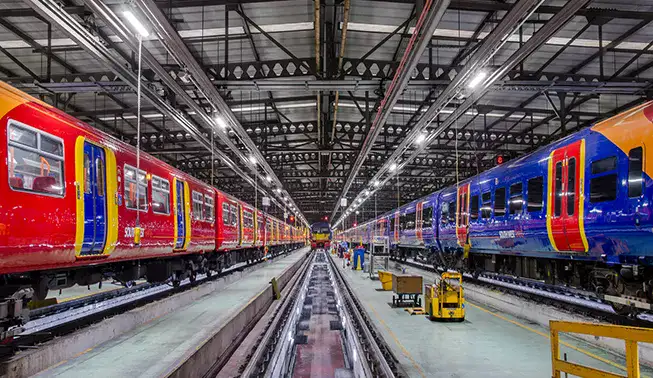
(233, 212)
(528, 195)
(226, 221)
(197, 199)
(505, 197)
(429, 211)
(602, 175)
(37, 150)
(209, 204)
(514, 196)
(159, 188)
(640, 187)
(125, 181)
(486, 205)
(474, 207)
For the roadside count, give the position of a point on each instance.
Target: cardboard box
(407, 284)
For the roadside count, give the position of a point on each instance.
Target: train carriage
(576, 212)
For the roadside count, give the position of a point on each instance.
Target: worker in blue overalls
(359, 257)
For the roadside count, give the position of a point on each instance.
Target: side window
(234, 215)
(635, 168)
(535, 195)
(486, 209)
(473, 206)
(87, 174)
(427, 217)
(516, 198)
(500, 202)
(603, 184)
(571, 186)
(35, 160)
(99, 174)
(131, 185)
(444, 216)
(410, 222)
(198, 204)
(225, 214)
(160, 195)
(209, 212)
(558, 189)
(452, 212)
(402, 222)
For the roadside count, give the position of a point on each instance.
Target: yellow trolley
(445, 300)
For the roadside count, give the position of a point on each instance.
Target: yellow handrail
(631, 336)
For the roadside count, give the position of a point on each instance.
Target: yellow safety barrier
(386, 279)
(631, 335)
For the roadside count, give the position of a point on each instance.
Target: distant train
(69, 199)
(321, 235)
(576, 212)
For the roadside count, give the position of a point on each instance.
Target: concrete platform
(157, 348)
(77, 292)
(487, 344)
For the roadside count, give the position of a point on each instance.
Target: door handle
(78, 191)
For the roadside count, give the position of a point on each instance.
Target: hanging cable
(137, 230)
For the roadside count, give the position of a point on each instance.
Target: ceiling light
(480, 76)
(221, 122)
(268, 178)
(367, 192)
(420, 138)
(136, 24)
(252, 159)
(393, 167)
(377, 183)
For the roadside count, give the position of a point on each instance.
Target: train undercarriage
(627, 288)
(17, 290)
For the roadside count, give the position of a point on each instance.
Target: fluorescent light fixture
(221, 122)
(393, 167)
(252, 159)
(268, 178)
(377, 183)
(420, 138)
(480, 76)
(357, 212)
(136, 24)
(367, 192)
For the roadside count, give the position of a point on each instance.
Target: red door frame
(419, 207)
(565, 221)
(462, 213)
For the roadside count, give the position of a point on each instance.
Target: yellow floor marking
(404, 350)
(581, 350)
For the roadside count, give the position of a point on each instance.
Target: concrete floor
(487, 344)
(155, 348)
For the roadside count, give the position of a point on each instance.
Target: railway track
(570, 299)
(320, 330)
(56, 320)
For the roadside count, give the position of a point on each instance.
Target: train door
(566, 197)
(418, 221)
(462, 214)
(396, 227)
(180, 213)
(239, 225)
(95, 200)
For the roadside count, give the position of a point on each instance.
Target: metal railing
(631, 336)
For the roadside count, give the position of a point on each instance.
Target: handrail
(631, 336)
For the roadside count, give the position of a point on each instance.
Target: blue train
(577, 212)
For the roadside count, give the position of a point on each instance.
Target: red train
(69, 199)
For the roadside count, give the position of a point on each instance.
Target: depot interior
(463, 186)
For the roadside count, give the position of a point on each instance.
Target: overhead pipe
(540, 37)
(424, 29)
(345, 23)
(203, 84)
(316, 17)
(51, 11)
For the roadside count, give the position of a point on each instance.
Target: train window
(535, 195)
(225, 214)
(604, 165)
(198, 204)
(486, 208)
(234, 215)
(131, 186)
(603, 188)
(209, 208)
(473, 212)
(444, 216)
(410, 224)
(635, 181)
(160, 195)
(452, 212)
(571, 186)
(427, 217)
(87, 174)
(99, 176)
(402, 222)
(558, 189)
(500, 202)
(516, 202)
(35, 160)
